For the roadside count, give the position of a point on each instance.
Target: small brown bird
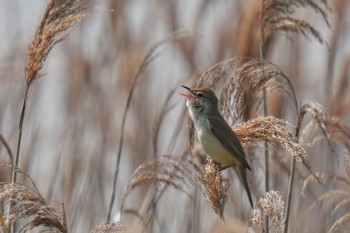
(217, 138)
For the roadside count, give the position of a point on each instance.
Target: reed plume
(25, 203)
(271, 205)
(113, 227)
(278, 15)
(59, 16)
(214, 187)
(162, 172)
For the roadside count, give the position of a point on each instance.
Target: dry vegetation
(102, 142)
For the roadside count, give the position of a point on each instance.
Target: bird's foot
(224, 167)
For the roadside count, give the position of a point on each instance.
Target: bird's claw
(224, 167)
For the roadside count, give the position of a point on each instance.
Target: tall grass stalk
(57, 19)
(20, 128)
(262, 54)
(291, 180)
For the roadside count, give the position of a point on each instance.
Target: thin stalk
(293, 165)
(267, 171)
(262, 53)
(289, 197)
(154, 202)
(178, 126)
(14, 173)
(64, 219)
(164, 110)
(267, 167)
(161, 192)
(121, 141)
(148, 58)
(291, 179)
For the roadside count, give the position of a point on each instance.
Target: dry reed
(332, 128)
(113, 227)
(59, 16)
(24, 203)
(259, 129)
(277, 15)
(339, 223)
(332, 195)
(214, 187)
(272, 130)
(271, 205)
(243, 79)
(255, 219)
(148, 58)
(162, 172)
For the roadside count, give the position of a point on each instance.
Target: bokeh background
(72, 128)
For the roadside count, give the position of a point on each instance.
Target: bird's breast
(215, 149)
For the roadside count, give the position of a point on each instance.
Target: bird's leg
(219, 167)
(223, 167)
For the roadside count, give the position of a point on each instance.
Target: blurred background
(73, 121)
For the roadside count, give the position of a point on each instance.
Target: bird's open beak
(189, 95)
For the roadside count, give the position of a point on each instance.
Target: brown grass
(214, 187)
(59, 17)
(24, 203)
(332, 195)
(102, 118)
(114, 227)
(271, 205)
(272, 130)
(277, 15)
(339, 223)
(244, 79)
(149, 57)
(162, 172)
(170, 171)
(332, 128)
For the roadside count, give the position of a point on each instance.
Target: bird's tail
(242, 175)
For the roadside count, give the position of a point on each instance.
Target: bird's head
(201, 100)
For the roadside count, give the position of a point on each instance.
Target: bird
(217, 138)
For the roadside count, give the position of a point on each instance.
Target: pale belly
(216, 150)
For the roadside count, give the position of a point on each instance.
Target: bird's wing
(228, 138)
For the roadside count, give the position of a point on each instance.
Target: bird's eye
(200, 95)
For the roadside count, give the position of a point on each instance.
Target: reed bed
(94, 137)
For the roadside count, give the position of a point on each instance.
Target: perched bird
(216, 136)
